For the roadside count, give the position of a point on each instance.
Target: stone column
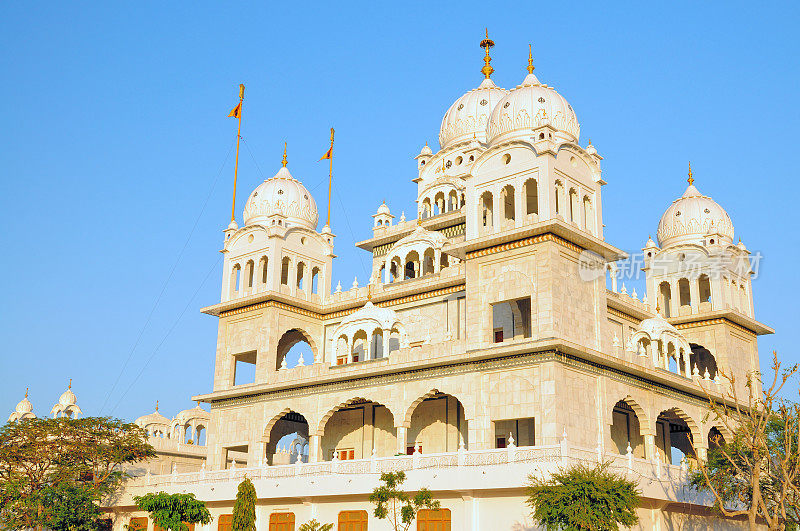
(386, 336)
(402, 433)
(368, 434)
(314, 449)
(437, 259)
(694, 294)
(649, 446)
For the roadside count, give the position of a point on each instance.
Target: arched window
(248, 268)
(315, 281)
(665, 296)
(428, 262)
(426, 208)
(531, 197)
(412, 267)
(573, 205)
(236, 274)
(508, 203)
(293, 345)
(439, 202)
(704, 283)
(452, 201)
(360, 344)
(301, 269)
(684, 292)
(588, 214)
(264, 263)
(486, 209)
(376, 344)
(559, 198)
(285, 271)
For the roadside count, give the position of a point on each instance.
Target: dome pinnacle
(531, 68)
(284, 155)
(690, 179)
(486, 44)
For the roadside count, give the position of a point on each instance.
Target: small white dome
(467, 117)
(25, 405)
(154, 418)
(68, 398)
(531, 105)
(426, 150)
(284, 196)
(691, 217)
(383, 209)
(194, 413)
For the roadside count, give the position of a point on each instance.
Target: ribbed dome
(283, 196)
(467, 117)
(24, 406)
(691, 217)
(68, 398)
(384, 208)
(528, 106)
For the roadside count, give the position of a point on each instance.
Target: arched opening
(437, 424)
(703, 360)
(438, 200)
(486, 209)
(342, 350)
(301, 269)
(315, 281)
(684, 294)
(452, 201)
(704, 285)
(200, 435)
(376, 344)
(531, 197)
(411, 269)
(508, 203)
(357, 427)
(249, 273)
(511, 320)
(429, 259)
(285, 271)
(444, 261)
(287, 440)
(559, 198)
(588, 214)
(394, 340)
(292, 347)
(626, 430)
(263, 264)
(673, 437)
(236, 274)
(394, 269)
(573, 205)
(360, 343)
(426, 208)
(664, 299)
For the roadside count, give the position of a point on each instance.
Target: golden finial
(156, 405)
(658, 306)
(70, 384)
(26, 391)
(590, 141)
(486, 44)
(369, 292)
(531, 68)
(690, 179)
(284, 155)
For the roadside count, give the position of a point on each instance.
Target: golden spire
(531, 68)
(70, 384)
(156, 405)
(284, 155)
(486, 44)
(27, 388)
(690, 179)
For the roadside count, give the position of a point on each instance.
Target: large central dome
(467, 117)
(284, 198)
(531, 105)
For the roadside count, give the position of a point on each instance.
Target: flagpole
(238, 137)
(330, 181)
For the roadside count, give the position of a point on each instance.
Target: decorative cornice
(271, 304)
(523, 243)
(709, 322)
(465, 367)
(623, 315)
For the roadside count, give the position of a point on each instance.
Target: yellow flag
(328, 154)
(236, 111)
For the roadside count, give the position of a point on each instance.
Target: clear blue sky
(114, 131)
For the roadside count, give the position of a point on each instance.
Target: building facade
(491, 341)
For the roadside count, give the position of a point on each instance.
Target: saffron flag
(236, 111)
(328, 154)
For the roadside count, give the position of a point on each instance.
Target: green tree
(757, 473)
(313, 525)
(583, 498)
(397, 506)
(244, 510)
(174, 511)
(54, 472)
